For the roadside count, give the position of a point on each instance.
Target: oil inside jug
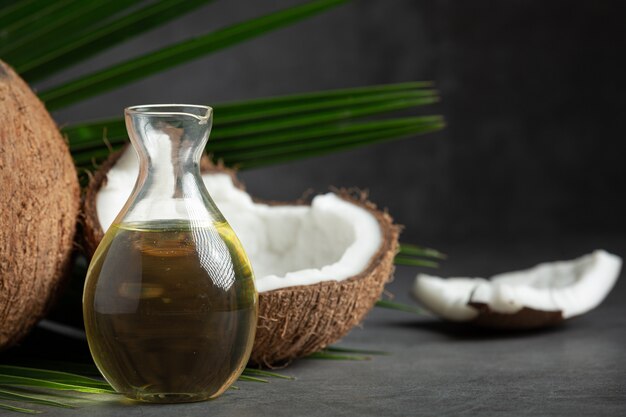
(172, 309)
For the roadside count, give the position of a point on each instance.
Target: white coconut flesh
(332, 239)
(570, 287)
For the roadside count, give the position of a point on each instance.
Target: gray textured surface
(437, 369)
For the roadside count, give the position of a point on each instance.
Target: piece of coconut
(544, 295)
(319, 267)
(39, 203)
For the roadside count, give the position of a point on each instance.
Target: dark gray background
(528, 169)
(533, 94)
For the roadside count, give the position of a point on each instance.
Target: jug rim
(172, 110)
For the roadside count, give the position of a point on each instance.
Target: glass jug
(170, 305)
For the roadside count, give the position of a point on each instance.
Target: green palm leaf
(252, 379)
(18, 409)
(341, 349)
(415, 250)
(140, 67)
(261, 372)
(324, 111)
(24, 384)
(55, 21)
(408, 261)
(42, 60)
(346, 100)
(319, 117)
(31, 398)
(9, 4)
(293, 148)
(274, 147)
(323, 354)
(314, 133)
(20, 13)
(288, 152)
(321, 100)
(392, 305)
(8, 379)
(53, 376)
(260, 132)
(413, 255)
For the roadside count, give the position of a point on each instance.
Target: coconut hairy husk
(298, 320)
(39, 202)
(525, 319)
(542, 296)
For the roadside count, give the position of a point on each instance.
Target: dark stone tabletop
(438, 369)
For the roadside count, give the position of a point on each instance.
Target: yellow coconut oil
(170, 309)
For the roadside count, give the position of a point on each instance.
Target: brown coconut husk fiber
(524, 319)
(39, 203)
(295, 321)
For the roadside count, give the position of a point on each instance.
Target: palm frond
(21, 13)
(18, 409)
(56, 19)
(260, 132)
(340, 353)
(409, 261)
(349, 111)
(335, 130)
(27, 385)
(69, 47)
(337, 356)
(414, 255)
(88, 134)
(140, 67)
(252, 379)
(415, 250)
(261, 372)
(299, 150)
(342, 349)
(319, 96)
(31, 399)
(392, 305)
(54, 376)
(42, 382)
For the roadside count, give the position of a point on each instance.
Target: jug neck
(169, 141)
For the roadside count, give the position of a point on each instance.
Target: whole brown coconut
(39, 203)
(298, 320)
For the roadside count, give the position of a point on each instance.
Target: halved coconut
(541, 296)
(39, 202)
(319, 267)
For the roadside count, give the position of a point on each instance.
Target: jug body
(170, 305)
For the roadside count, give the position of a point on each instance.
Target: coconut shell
(524, 319)
(299, 320)
(39, 202)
